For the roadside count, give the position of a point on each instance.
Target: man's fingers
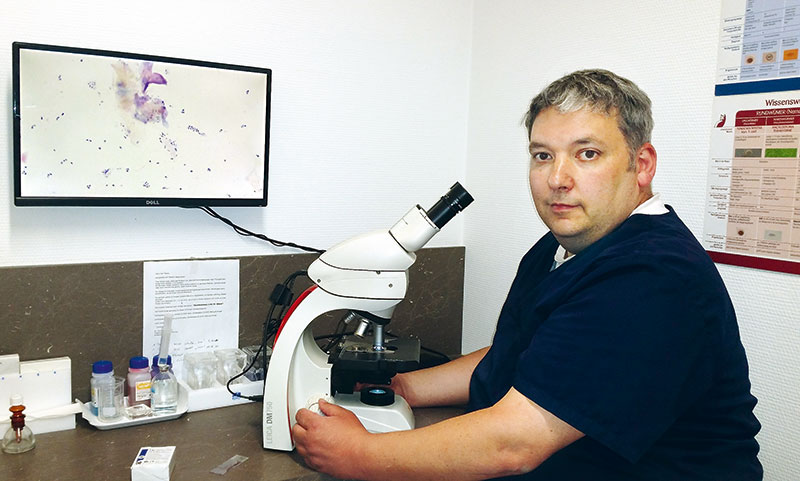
(330, 409)
(304, 417)
(298, 432)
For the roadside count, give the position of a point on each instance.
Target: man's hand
(329, 443)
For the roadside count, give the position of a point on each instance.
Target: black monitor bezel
(21, 201)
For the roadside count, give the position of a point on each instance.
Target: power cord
(283, 296)
(244, 232)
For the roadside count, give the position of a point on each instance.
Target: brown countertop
(203, 440)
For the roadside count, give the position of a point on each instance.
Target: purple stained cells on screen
(196, 130)
(169, 145)
(149, 77)
(131, 95)
(149, 109)
(137, 89)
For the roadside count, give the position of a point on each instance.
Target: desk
(203, 440)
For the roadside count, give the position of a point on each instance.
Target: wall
(669, 49)
(369, 118)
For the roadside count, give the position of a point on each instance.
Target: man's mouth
(559, 207)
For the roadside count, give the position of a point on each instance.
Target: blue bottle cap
(155, 360)
(139, 362)
(102, 367)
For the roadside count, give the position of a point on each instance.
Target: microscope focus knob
(377, 396)
(312, 404)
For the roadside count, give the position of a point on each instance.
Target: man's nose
(560, 177)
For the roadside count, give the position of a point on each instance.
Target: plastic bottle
(102, 376)
(164, 387)
(19, 437)
(138, 381)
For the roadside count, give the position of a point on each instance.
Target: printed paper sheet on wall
(752, 214)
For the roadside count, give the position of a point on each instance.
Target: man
(617, 354)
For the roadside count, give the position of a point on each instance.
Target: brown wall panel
(94, 311)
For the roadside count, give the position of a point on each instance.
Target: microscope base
(378, 419)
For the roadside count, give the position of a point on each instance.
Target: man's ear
(646, 159)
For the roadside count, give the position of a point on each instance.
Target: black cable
(337, 335)
(244, 232)
(435, 353)
(281, 295)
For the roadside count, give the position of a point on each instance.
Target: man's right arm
(443, 385)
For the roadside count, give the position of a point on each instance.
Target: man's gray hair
(599, 91)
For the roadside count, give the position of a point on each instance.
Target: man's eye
(589, 154)
(541, 157)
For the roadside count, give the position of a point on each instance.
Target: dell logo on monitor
(151, 202)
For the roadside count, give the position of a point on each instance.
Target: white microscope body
(367, 273)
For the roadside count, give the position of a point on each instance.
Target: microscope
(367, 276)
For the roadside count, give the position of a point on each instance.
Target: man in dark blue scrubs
(617, 353)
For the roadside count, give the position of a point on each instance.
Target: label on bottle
(93, 404)
(143, 390)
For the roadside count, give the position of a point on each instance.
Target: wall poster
(752, 216)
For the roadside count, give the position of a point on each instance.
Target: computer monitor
(102, 128)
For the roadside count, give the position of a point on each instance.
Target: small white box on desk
(218, 396)
(153, 464)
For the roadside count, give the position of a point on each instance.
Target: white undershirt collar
(652, 206)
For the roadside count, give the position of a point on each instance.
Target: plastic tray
(125, 421)
(218, 396)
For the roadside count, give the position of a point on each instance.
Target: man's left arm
(512, 437)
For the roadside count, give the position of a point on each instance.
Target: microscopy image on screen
(100, 126)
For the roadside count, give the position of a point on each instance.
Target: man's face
(580, 178)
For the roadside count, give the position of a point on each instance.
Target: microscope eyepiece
(454, 201)
(418, 226)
